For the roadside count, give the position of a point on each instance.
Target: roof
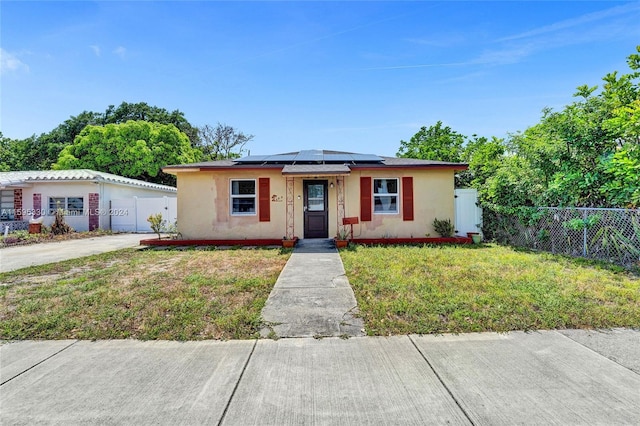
(24, 178)
(311, 156)
(316, 162)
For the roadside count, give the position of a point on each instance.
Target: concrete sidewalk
(485, 379)
(312, 296)
(12, 258)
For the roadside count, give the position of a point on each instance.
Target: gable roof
(25, 178)
(315, 161)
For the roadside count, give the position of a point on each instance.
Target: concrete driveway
(12, 258)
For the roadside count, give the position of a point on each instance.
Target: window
(75, 206)
(243, 197)
(315, 197)
(6, 205)
(56, 203)
(72, 206)
(385, 195)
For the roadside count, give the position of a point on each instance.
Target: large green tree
(586, 154)
(40, 152)
(437, 142)
(135, 149)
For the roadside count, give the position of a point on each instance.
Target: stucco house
(308, 194)
(84, 196)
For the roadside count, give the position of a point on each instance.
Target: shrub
(443, 227)
(157, 223)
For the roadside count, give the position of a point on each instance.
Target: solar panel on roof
(309, 155)
(312, 156)
(339, 157)
(281, 158)
(252, 159)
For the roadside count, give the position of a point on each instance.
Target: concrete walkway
(12, 258)
(312, 296)
(483, 379)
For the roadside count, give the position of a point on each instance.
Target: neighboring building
(308, 194)
(84, 196)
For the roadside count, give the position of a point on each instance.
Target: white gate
(130, 214)
(468, 214)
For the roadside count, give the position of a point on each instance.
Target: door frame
(324, 233)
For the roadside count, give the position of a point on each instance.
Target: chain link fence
(595, 233)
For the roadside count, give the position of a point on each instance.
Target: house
(311, 194)
(84, 196)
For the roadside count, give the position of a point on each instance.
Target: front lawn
(176, 295)
(453, 289)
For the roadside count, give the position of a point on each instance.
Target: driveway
(12, 258)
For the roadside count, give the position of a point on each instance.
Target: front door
(316, 216)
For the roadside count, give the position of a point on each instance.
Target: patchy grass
(453, 289)
(176, 295)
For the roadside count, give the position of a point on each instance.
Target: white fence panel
(123, 215)
(130, 214)
(468, 214)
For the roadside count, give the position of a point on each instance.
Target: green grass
(457, 289)
(176, 295)
(193, 294)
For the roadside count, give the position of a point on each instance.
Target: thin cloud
(318, 39)
(10, 63)
(509, 55)
(575, 22)
(404, 67)
(442, 40)
(609, 23)
(96, 49)
(120, 51)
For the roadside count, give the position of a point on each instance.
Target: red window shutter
(407, 198)
(365, 199)
(264, 199)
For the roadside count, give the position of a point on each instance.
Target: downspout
(103, 210)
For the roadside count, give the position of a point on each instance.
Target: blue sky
(355, 76)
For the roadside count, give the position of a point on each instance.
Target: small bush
(157, 223)
(443, 227)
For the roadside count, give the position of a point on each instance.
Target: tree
(16, 154)
(484, 157)
(39, 153)
(142, 112)
(221, 142)
(586, 154)
(6, 153)
(435, 143)
(135, 149)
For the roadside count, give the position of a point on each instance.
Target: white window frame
(7, 203)
(253, 196)
(65, 206)
(386, 194)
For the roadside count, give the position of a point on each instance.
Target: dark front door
(316, 216)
